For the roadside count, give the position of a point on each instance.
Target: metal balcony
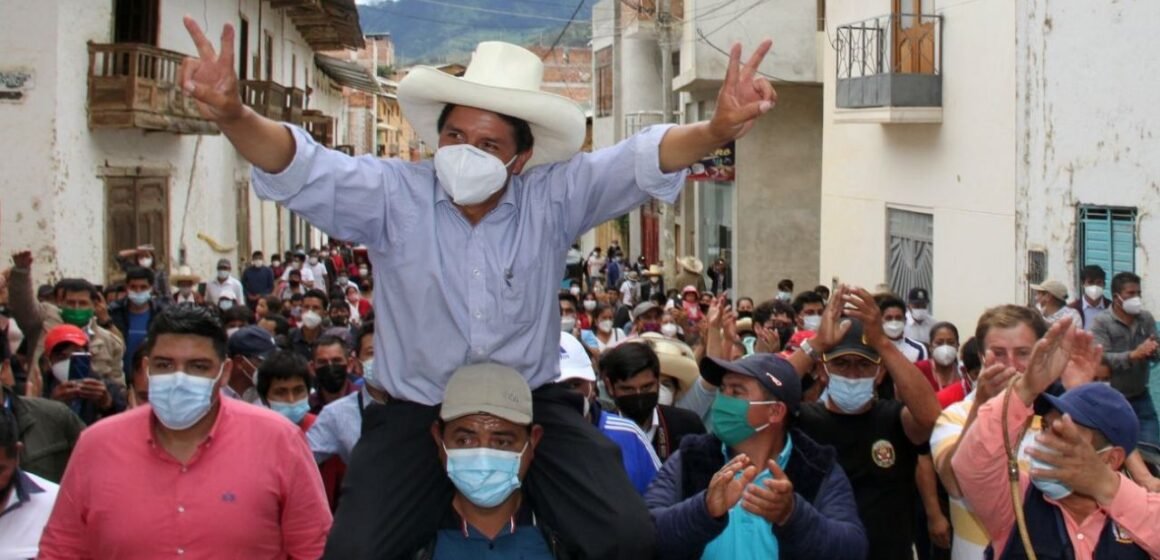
(135, 86)
(890, 61)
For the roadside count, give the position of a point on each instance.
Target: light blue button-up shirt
(446, 293)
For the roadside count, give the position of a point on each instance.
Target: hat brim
(865, 353)
(714, 370)
(184, 278)
(448, 414)
(557, 123)
(1077, 415)
(683, 369)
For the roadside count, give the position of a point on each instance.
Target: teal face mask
(731, 419)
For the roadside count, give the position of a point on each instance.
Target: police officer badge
(883, 453)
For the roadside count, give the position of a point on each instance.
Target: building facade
(977, 163)
(115, 155)
(755, 203)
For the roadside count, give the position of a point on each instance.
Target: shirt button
(478, 315)
(184, 468)
(181, 551)
(1079, 536)
(476, 272)
(180, 509)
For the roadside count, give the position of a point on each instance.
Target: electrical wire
(500, 12)
(461, 23)
(579, 5)
(706, 40)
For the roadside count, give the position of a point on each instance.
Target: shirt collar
(782, 458)
(1087, 305)
(656, 421)
(22, 492)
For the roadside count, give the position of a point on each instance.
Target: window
(243, 49)
(909, 250)
(1107, 237)
(137, 212)
(135, 21)
(242, 191)
(269, 53)
(1036, 271)
(604, 82)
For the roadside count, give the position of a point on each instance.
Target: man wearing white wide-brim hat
(470, 249)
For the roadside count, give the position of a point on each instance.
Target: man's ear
(1116, 458)
(521, 161)
(438, 437)
(227, 372)
(534, 440)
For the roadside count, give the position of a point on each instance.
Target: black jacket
(675, 424)
(119, 315)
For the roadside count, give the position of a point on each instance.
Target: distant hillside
(430, 31)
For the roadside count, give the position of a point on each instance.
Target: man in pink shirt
(191, 474)
(1077, 504)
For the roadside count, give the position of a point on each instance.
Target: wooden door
(914, 37)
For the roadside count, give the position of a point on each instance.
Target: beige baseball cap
(1053, 287)
(487, 388)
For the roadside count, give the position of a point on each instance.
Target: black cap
(854, 342)
(251, 341)
(774, 373)
(918, 295)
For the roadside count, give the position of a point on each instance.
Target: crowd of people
(443, 415)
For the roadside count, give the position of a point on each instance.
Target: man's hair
(282, 364)
(273, 304)
(766, 311)
(238, 312)
(1006, 317)
(1121, 280)
(139, 273)
(806, 297)
(1094, 272)
(257, 254)
(318, 295)
(340, 306)
(74, 285)
(520, 128)
(281, 325)
(329, 340)
(625, 361)
(944, 325)
(785, 284)
(367, 329)
(9, 432)
(972, 361)
(294, 272)
(188, 320)
(296, 298)
(822, 289)
(744, 298)
(567, 296)
(891, 302)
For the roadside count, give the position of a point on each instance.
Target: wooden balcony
(320, 125)
(266, 98)
(135, 86)
(295, 103)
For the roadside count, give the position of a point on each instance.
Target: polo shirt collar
(22, 493)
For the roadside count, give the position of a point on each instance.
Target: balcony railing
(890, 61)
(295, 103)
(265, 97)
(135, 86)
(319, 125)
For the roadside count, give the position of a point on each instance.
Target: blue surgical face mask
(486, 477)
(294, 412)
(849, 395)
(179, 399)
(140, 298)
(1051, 487)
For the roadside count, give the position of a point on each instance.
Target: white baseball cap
(574, 360)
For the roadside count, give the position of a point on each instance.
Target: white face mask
(894, 329)
(589, 305)
(60, 371)
(605, 326)
(574, 291)
(468, 174)
(1132, 306)
(945, 355)
(920, 315)
(812, 322)
(259, 263)
(223, 274)
(145, 262)
(669, 330)
(666, 396)
(1094, 292)
(311, 319)
(567, 324)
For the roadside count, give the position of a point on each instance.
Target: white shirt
(307, 274)
(338, 427)
(919, 331)
(628, 292)
(912, 349)
(215, 288)
(573, 257)
(22, 521)
(318, 272)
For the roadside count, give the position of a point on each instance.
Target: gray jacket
(1130, 377)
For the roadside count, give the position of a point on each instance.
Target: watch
(809, 351)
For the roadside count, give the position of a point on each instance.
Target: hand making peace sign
(744, 95)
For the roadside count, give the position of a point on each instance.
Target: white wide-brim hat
(502, 78)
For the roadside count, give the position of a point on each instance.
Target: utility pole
(668, 218)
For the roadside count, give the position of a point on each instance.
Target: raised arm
(213, 83)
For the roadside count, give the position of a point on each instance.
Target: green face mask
(77, 317)
(731, 419)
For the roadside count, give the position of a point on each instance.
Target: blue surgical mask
(140, 298)
(486, 477)
(294, 412)
(179, 399)
(849, 395)
(1051, 487)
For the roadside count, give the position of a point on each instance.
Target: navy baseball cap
(918, 295)
(774, 373)
(251, 341)
(853, 342)
(1103, 409)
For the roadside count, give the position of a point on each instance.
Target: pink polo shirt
(981, 468)
(250, 491)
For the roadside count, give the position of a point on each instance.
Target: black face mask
(704, 308)
(338, 321)
(331, 378)
(784, 334)
(744, 314)
(638, 407)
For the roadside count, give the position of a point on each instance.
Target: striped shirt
(640, 460)
(913, 350)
